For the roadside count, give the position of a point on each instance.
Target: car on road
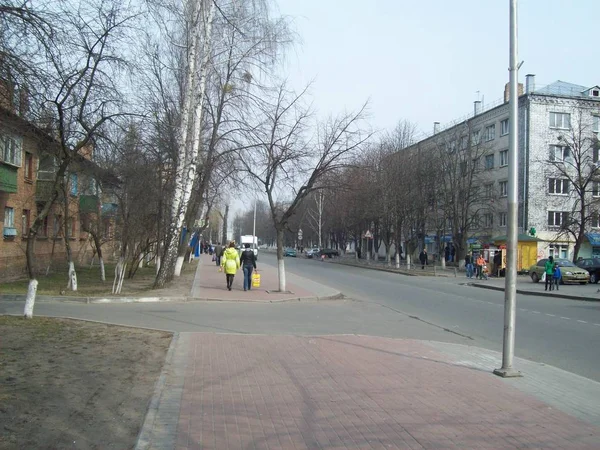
(569, 271)
(329, 252)
(290, 252)
(312, 252)
(592, 265)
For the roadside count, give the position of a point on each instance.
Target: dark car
(329, 252)
(569, 271)
(592, 265)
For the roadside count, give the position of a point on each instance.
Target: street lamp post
(510, 290)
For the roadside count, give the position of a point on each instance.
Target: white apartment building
(558, 132)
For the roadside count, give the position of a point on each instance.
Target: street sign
(300, 234)
(368, 234)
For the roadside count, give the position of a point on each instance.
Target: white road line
(551, 315)
(566, 318)
(523, 309)
(535, 312)
(582, 321)
(597, 324)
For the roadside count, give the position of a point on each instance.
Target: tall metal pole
(510, 290)
(254, 244)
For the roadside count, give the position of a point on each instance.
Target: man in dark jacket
(423, 258)
(248, 263)
(218, 253)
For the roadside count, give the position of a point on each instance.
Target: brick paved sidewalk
(344, 392)
(210, 284)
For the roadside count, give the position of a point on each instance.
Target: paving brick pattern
(356, 392)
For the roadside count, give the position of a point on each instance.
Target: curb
(103, 300)
(392, 270)
(539, 294)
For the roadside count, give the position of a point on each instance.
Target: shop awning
(594, 239)
(520, 238)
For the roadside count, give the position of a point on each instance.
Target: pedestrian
(230, 263)
(497, 262)
(423, 258)
(469, 265)
(548, 272)
(556, 275)
(480, 264)
(248, 262)
(218, 253)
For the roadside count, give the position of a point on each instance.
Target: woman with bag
(230, 262)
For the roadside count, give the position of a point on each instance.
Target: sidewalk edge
(540, 294)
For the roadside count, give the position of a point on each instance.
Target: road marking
(535, 312)
(582, 321)
(597, 324)
(551, 315)
(523, 309)
(566, 318)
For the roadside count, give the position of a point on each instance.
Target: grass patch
(88, 282)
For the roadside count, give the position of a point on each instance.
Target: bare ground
(68, 384)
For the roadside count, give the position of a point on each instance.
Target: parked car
(592, 265)
(289, 252)
(569, 271)
(329, 252)
(312, 252)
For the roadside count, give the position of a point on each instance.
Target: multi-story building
(558, 159)
(27, 173)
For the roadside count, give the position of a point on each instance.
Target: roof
(520, 238)
(563, 89)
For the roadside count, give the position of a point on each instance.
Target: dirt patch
(68, 384)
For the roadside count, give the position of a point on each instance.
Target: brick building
(551, 119)
(27, 171)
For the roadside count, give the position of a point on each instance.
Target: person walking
(248, 262)
(556, 275)
(423, 258)
(230, 263)
(469, 265)
(548, 271)
(480, 264)
(218, 253)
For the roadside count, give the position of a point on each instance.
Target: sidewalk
(224, 391)
(209, 285)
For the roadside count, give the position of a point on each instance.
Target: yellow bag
(256, 280)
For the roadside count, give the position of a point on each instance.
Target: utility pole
(510, 289)
(254, 240)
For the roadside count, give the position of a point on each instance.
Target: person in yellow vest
(230, 262)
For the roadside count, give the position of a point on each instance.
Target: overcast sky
(424, 61)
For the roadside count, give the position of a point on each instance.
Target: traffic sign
(368, 234)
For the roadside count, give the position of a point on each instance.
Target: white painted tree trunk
(119, 276)
(179, 265)
(281, 272)
(102, 271)
(30, 299)
(408, 261)
(397, 260)
(72, 277)
(141, 264)
(443, 258)
(157, 264)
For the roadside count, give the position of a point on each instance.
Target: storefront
(527, 250)
(590, 248)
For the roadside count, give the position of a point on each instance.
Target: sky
(427, 61)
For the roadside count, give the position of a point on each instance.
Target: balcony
(8, 179)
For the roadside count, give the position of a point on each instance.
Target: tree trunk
(407, 261)
(119, 275)
(397, 260)
(102, 271)
(280, 261)
(224, 231)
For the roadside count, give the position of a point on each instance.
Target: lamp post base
(507, 373)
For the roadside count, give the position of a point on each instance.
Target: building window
(488, 190)
(502, 217)
(559, 153)
(73, 184)
(504, 158)
(596, 124)
(595, 223)
(558, 186)
(476, 137)
(557, 218)
(488, 220)
(43, 231)
(9, 222)
(560, 120)
(71, 228)
(558, 251)
(503, 188)
(596, 189)
(56, 227)
(504, 127)
(490, 133)
(489, 162)
(463, 143)
(25, 222)
(28, 172)
(11, 150)
(595, 152)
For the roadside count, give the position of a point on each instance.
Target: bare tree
(281, 160)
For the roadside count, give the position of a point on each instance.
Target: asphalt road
(560, 332)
